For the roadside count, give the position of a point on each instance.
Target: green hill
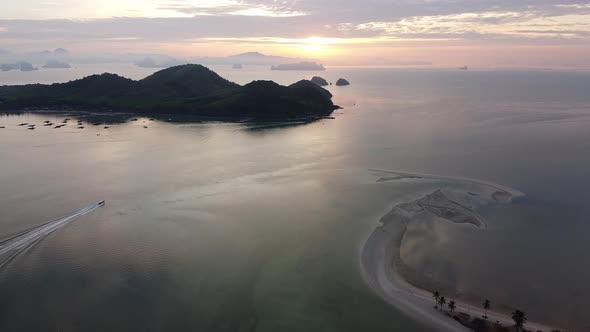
(186, 89)
(184, 81)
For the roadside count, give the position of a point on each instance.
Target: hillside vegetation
(186, 89)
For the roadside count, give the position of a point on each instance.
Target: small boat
(2, 127)
(23, 124)
(81, 127)
(106, 127)
(145, 127)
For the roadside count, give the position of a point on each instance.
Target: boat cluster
(79, 124)
(29, 126)
(48, 123)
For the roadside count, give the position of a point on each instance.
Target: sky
(486, 33)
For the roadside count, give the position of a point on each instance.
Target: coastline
(384, 271)
(186, 89)
(377, 257)
(165, 117)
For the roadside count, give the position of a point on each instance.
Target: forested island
(186, 89)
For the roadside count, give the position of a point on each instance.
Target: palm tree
(442, 302)
(486, 306)
(519, 319)
(452, 306)
(436, 296)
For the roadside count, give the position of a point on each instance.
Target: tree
(486, 306)
(442, 301)
(452, 306)
(519, 319)
(436, 296)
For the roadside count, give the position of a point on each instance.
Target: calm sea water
(243, 227)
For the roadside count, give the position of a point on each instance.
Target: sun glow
(312, 48)
(318, 45)
(322, 41)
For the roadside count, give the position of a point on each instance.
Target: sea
(217, 226)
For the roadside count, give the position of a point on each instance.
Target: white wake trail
(11, 247)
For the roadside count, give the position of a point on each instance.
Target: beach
(384, 270)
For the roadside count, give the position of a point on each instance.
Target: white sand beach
(380, 258)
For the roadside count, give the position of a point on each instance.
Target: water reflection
(219, 226)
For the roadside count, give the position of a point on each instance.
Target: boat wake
(13, 246)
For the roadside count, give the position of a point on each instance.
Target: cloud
(50, 4)
(122, 39)
(226, 7)
(343, 23)
(527, 24)
(575, 6)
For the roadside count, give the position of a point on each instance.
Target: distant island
(186, 89)
(244, 59)
(61, 52)
(320, 81)
(149, 62)
(342, 82)
(22, 66)
(251, 58)
(306, 65)
(55, 64)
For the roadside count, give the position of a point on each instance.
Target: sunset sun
(318, 46)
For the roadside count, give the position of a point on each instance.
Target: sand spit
(503, 194)
(382, 266)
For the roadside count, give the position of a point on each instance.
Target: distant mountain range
(144, 60)
(257, 58)
(21, 65)
(8, 57)
(55, 64)
(244, 59)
